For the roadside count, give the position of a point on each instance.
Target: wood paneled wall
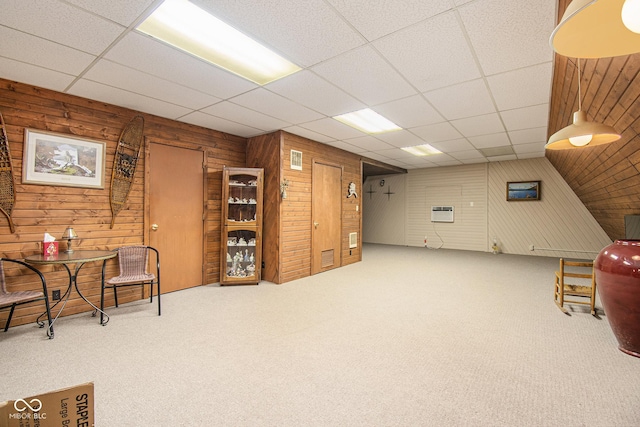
(296, 208)
(605, 178)
(289, 220)
(43, 208)
(265, 152)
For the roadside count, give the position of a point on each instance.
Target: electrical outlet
(55, 295)
(531, 248)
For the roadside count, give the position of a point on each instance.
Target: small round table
(79, 258)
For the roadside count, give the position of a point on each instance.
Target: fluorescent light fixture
(368, 121)
(182, 24)
(422, 150)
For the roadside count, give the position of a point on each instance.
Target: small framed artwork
(523, 191)
(58, 159)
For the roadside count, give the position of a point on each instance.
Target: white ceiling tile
(363, 74)
(116, 75)
(275, 105)
(526, 136)
(375, 19)
(526, 118)
(124, 12)
(346, 146)
(134, 101)
(499, 30)
(332, 128)
(208, 121)
(488, 141)
(401, 138)
(369, 143)
(156, 58)
(409, 112)
(443, 159)
(535, 147)
(454, 145)
(398, 154)
(306, 133)
(239, 114)
(424, 53)
(60, 22)
(462, 100)
(400, 164)
(436, 133)
(468, 155)
(375, 156)
(34, 50)
(41, 77)
(308, 89)
(305, 32)
(479, 125)
(522, 87)
(474, 160)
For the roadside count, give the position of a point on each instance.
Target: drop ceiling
(470, 77)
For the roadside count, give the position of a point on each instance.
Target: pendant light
(598, 29)
(581, 132)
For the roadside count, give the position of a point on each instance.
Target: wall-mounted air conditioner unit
(441, 213)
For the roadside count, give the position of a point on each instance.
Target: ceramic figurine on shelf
(252, 259)
(252, 201)
(229, 259)
(230, 200)
(246, 255)
(242, 242)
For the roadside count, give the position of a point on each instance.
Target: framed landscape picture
(57, 159)
(523, 191)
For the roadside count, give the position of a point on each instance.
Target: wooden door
(326, 214)
(176, 206)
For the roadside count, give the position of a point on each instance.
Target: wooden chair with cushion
(575, 284)
(13, 299)
(133, 262)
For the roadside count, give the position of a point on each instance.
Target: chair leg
(6, 326)
(158, 286)
(115, 294)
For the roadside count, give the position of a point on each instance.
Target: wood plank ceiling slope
(606, 178)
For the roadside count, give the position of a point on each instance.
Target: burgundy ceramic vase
(617, 270)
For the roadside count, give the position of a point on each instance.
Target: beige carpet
(408, 337)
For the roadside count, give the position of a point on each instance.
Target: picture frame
(520, 191)
(62, 160)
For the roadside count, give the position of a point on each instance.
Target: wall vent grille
(353, 240)
(296, 160)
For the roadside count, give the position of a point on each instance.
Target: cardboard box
(49, 248)
(71, 406)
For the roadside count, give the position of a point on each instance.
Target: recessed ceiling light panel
(182, 24)
(422, 150)
(368, 121)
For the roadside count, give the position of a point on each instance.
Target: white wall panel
(556, 225)
(386, 212)
(558, 220)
